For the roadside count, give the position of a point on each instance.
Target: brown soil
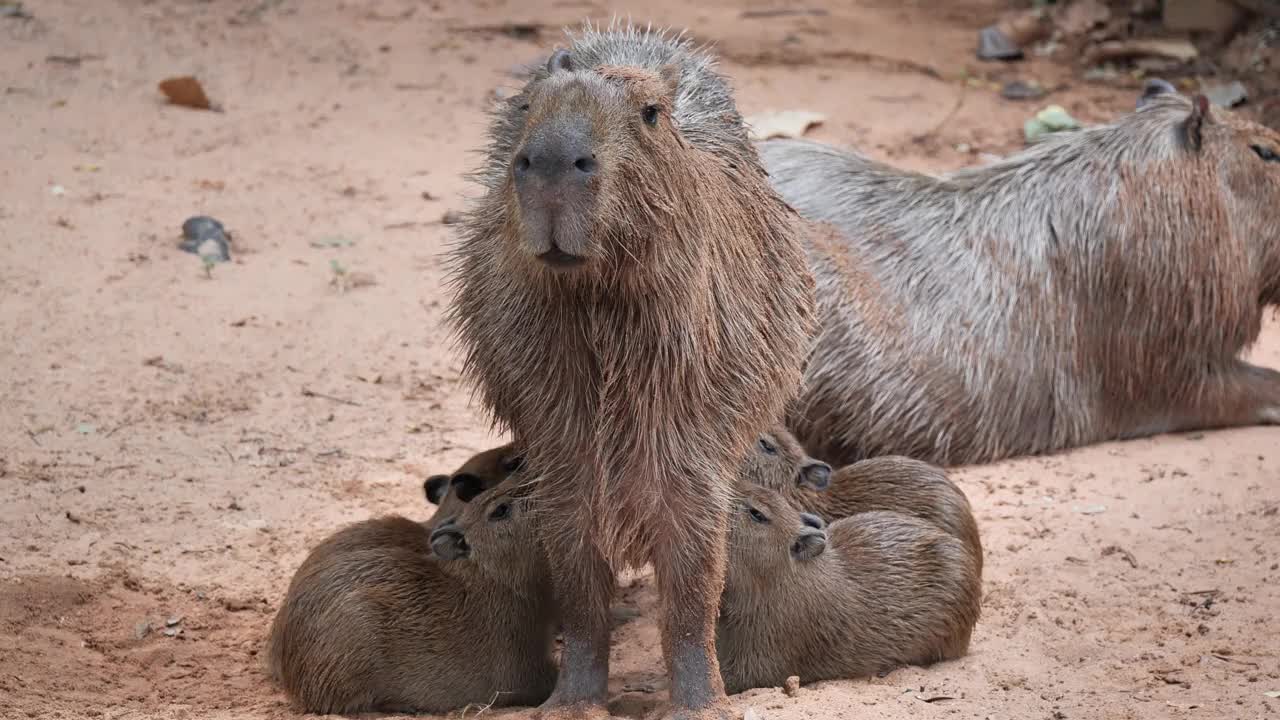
(171, 445)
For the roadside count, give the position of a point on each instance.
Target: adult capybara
(1099, 285)
(890, 482)
(389, 615)
(635, 307)
(479, 473)
(864, 595)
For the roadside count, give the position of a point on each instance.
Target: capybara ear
(466, 486)
(1154, 87)
(559, 60)
(435, 488)
(670, 75)
(1193, 127)
(816, 475)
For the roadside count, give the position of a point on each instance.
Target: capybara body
(890, 483)
(634, 305)
(375, 619)
(866, 594)
(1100, 285)
(482, 471)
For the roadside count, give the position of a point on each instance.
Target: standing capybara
(392, 616)
(634, 305)
(1099, 285)
(890, 482)
(864, 595)
(481, 472)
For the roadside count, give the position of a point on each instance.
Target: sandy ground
(171, 444)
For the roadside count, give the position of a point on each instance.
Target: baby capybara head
(598, 147)
(493, 535)
(482, 471)
(778, 462)
(768, 537)
(1244, 159)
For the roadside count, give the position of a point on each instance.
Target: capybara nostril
(809, 544)
(586, 164)
(521, 165)
(813, 521)
(448, 543)
(816, 475)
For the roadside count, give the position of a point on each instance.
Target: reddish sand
(171, 445)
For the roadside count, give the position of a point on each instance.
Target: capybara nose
(558, 152)
(816, 475)
(809, 544)
(448, 543)
(813, 521)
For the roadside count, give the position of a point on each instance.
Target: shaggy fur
(636, 381)
(1100, 285)
(374, 621)
(891, 482)
(870, 593)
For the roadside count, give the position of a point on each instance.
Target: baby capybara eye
(757, 515)
(501, 512)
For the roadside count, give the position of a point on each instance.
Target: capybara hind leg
(1243, 394)
(689, 564)
(584, 587)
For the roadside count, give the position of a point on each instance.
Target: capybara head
(599, 144)
(767, 536)
(494, 535)
(1244, 157)
(778, 462)
(482, 471)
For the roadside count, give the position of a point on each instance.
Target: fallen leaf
(785, 123)
(1272, 693)
(185, 91)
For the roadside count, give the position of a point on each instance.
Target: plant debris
(186, 91)
(783, 124)
(205, 237)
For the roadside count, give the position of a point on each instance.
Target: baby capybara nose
(559, 151)
(809, 544)
(448, 543)
(813, 521)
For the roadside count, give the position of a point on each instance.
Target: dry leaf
(185, 91)
(787, 123)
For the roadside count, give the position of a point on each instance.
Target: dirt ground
(171, 444)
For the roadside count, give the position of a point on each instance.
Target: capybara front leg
(689, 563)
(584, 587)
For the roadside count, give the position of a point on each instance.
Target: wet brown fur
(1100, 285)
(637, 382)
(887, 590)
(373, 621)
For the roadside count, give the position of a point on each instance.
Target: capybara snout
(448, 542)
(809, 544)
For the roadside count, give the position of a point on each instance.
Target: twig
(113, 430)
(1233, 660)
(230, 457)
(955, 109)
(312, 393)
(35, 440)
(751, 14)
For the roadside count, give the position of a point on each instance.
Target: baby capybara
(479, 473)
(389, 615)
(1097, 286)
(634, 306)
(889, 482)
(864, 595)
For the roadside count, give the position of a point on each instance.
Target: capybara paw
(720, 711)
(552, 710)
(1270, 415)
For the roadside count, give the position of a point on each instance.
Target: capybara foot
(555, 710)
(1270, 415)
(721, 710)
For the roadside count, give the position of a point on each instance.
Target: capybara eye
(512, 464)
(1266, 153)
(768, 447)
(500, 512)
(650, 114)
(757, 515)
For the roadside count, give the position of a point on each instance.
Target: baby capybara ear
(435, 488)
(1193, 126)
(559, 60)
(466, 486)
(816, 475)
(1152, 88)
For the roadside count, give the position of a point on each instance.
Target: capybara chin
(890, 482)
(389, 615)
(634, 306)
(481, 472)
(864, 595)
(1100, 285)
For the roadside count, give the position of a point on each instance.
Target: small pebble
(1020, 90)
(141, 630)
(204, 236)
(173, 620)
(792, 686)
(995, 45)
(451, 217)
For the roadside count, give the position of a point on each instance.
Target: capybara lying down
(889, 482)
(1100, 285)
(393, 616)
(480, 472)
(634, 305)
(863, 595)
